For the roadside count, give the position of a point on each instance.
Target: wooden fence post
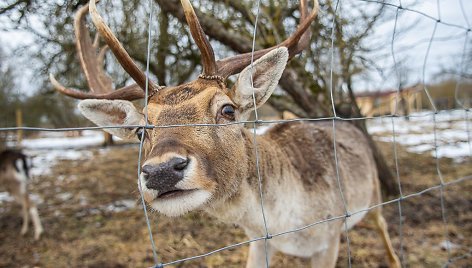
(19, 123)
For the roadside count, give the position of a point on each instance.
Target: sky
(410, 46)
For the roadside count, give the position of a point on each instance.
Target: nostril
(179, 164)
(147, 169)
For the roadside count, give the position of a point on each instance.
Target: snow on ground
(453, 132)
(51, 147)
(5, 197)
(52, 141)
(116, 206)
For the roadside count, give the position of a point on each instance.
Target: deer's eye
(140, 133)
(228, 111)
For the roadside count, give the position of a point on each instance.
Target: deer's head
(195, 153)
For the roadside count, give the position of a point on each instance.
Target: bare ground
(82, 232)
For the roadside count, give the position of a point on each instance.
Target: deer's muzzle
(164, 176)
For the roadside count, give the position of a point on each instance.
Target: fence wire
(256, 151)
(336, 162)
(441, 186)
(141, 142)
(394, 141)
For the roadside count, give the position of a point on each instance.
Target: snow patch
(5, 197)
(88, 139)
(51, 147)
(453, 132)
(121, 205)
(115, 207)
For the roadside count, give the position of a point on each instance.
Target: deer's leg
(38, 227)
(382, 229)
(24, 212)
(257, 254)
(328, 257)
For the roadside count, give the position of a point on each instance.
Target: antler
(92, 65)
(100, 84)
(118, 50)
(298, 41)
(131, 92)
(208, 56)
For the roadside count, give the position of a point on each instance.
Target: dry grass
(80, 232)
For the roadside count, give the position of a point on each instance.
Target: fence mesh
(440, 186)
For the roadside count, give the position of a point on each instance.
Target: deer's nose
(164, 176)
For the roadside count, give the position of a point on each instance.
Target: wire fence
(267, 236)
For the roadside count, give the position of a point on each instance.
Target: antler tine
(118, 50)
(305, 21)
(101, 74)
(305, 39)
(298, 41)
(101, 55)
(208, 56)
(132, 92)
(96, 40)
(96, 78)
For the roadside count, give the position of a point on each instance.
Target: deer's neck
(265, 167)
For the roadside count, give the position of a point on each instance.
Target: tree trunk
(387, 181)
(108, 139)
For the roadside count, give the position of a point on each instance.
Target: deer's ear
(265, 74)
(112, 113)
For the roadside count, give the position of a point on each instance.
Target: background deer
(212, 167)
(14, 176)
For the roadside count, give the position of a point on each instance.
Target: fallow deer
(210, 164)
(14, 176)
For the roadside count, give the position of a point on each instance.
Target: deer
(198, 156)
(14, 176)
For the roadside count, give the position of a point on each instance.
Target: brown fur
(299, 154)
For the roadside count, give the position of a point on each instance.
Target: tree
(38, 109)
(8, 98)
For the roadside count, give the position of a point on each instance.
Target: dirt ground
(82, 230)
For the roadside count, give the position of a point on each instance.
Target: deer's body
(300, 186)
(14, 177)
(298, 175)
(199, 156)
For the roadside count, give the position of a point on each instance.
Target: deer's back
(309, 147)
